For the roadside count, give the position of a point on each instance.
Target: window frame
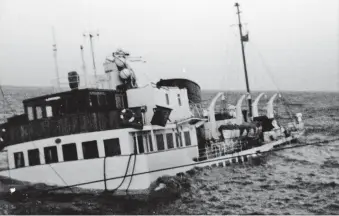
(93, 154)
(163, 142)
(76, 151)
(189, 138)
(106, 144)
(31, 157)
(178, 139)
(51, 160)
(22, 159)
(179, 99)
(167, 99)
(171, 139)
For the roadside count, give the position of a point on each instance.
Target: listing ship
(121, 137)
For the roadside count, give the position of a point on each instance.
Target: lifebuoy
(127, 115)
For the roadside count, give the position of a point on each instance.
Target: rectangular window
(119, 101)
(30, 113)
(167, 99)
(150, 143)
(178, 139)
(38, 112)
(70, 152)
(51, 154)
(19, 159)
(179, 100)
(140, 144)
(169, 138)
(160, 142)
(112, 147)
(49, 111)
(187, 138)
(90, 149)
(33, 157)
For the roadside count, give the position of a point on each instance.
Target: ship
(121, 137)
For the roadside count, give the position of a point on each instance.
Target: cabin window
(102, 100)
(30, 113)
(19, 159)
(112, 147)
(70, 152)
(150, 142)
(169, 138)
(187, 138)
(167, 99)
(178, 139)
(179, 100)
(33, 157)
(119, 101)
(49, 111)
(160, 142)
(38, 112)
(90, 149)
(51, 154)
(140, 143)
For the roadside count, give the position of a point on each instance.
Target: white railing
(86, 81)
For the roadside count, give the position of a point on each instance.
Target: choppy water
(293, 181)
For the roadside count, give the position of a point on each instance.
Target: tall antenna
(242, 40)
(55, 50)
(93, 57)
(83, 65)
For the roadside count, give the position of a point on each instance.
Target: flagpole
(242, 39)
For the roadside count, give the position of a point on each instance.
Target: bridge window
(160, 142)
(150, 142)
(33, 157)
(70, 152)
(169, 138)
(30, 113)
(90, 149)
(112, 147)
(49, 112)
(140, 143)
(38, 112)
(178, 139)
(167, 99)
(187, 138)
(19, 159)
(119, 101)
(51, 154)
(179, 100)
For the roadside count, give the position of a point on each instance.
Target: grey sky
(298, 40)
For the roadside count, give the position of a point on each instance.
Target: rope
(123, 180)
(130, 181)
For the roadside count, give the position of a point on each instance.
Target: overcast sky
(293, 43)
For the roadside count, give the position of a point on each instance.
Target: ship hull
(133, 174)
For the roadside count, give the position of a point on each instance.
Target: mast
(83, 65)
(242, 40)
(93, 56)
(56, 59)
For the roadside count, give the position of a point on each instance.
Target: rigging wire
(268, 71)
